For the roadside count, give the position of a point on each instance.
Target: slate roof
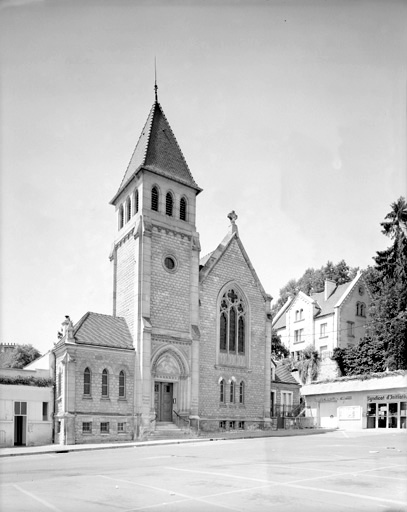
(327, 306)
(283, 374)
(157, 150)
(102, 331)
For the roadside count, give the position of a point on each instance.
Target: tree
(278, 350)
(19, 357)
(308, 365)
(388, 324)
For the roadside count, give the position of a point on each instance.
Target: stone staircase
(168, 430)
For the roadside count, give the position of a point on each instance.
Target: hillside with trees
(19, 356)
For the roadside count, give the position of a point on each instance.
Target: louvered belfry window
(232, 323)
(154, 199)
(183, 209)
(168, 204)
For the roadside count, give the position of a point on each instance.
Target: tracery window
(169, 203)
(183, 209)
(232, 323)
(86, 382)
(154, 199)
(122, 384)
(105, 383)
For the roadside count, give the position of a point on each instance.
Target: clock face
(361, 290)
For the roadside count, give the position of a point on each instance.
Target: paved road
(336, 471)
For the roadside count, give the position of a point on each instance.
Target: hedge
(22, 380)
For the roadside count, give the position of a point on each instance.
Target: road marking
(34, 497)
(345, 434)
(184, 496)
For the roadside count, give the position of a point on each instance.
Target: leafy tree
(19, 357)
(308, 365)
(366, 357)
(388, 324)
(278, 350)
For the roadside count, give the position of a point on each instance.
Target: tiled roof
(158, 151)
(283, 374)
(102, 331)
(327, 306)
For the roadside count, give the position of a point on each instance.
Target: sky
(291, 113)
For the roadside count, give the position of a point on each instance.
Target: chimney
(329, 288)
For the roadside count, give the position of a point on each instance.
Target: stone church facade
(189, 339)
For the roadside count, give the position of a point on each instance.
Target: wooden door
(163, 400)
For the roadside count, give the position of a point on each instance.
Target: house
(334, 317)
(376, 401)
(285, 394)
(188, 338)
(26, 405)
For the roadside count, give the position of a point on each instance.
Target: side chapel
(189, 339)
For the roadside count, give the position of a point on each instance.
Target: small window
(59, 383)
(86, 427)
(104, 427)
(322, 332)
(298, 335)
(232, 392)
(44, 411)
(122, 385)
(121, 216)
(87, 382)
(169, 263)
(135, 209)
(222, 425)
(169, 204)
(222, 391)
(360, 309)
(154, 199)
(183, 209)
(20, 408)
(351, 329)
(232, 425)
(241, 393)
(128, 209)
(121, 427)
(58, 427)
(105, 383)
(241, 425)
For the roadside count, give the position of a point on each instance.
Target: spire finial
(155, 80)
(233, 218)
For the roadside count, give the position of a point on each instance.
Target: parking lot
(364, 471)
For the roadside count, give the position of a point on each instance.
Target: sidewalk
(214, 436)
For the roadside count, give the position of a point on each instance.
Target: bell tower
(155, 259)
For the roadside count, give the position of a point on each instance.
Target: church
(189, 338)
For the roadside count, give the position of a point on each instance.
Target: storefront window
(403, 414)
(371, 415)
(393, 415)
(382, 422)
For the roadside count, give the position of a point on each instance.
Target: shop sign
(327, 399)
(349, 412)
(378, 398)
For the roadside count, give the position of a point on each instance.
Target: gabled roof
(279, 319)
(102, 331)
(158, 151)
(283, 374)
(209, 261)
(327, 306)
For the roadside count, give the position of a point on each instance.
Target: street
(335, 471)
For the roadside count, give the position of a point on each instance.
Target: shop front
(360, 402)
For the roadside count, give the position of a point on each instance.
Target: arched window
(169, 204)
(135, 200)
(360, 309)
(105, 383)
(87, 382)
(241, 393)
(232, 392)
(183, 209)
(121, 216)
(154, 199)
(222, 389)
(128, 209)
(232, 323)
(122, 384)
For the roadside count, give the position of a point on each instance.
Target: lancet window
(232, 328)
